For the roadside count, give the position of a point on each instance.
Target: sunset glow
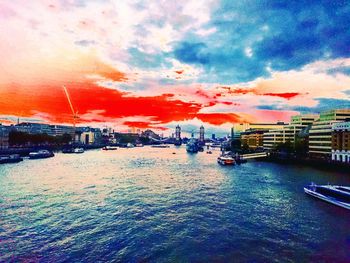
(151, 64)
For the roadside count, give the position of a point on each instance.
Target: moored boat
(226, 160)
(178, 142)
(160, 146)
(41, 154)
(68, 150)
(12, 158)
(79, 150)
(109, 148)
(192, 146)
(73, 150)
(334, 194)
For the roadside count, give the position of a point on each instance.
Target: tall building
(341, 142)
(288, 132)
(201, 134)
(320, 134)
(238, 128)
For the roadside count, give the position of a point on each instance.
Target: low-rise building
(33, 128)
(252, 138)
(59, 130)
(89, 136)
(341, 142)
(320, 134)
(49, 129)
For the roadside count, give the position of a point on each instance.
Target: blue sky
(231, 61)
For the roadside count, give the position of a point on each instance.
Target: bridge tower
(178, 132)
(201, 134)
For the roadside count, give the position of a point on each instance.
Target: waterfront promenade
(148, 204)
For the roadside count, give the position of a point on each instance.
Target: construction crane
(75, 113)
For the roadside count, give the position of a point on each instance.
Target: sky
(156, 64)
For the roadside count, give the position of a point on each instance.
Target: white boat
(78, 150)
(334, 194)
(41, 154)
(226, 160)
(130, 145)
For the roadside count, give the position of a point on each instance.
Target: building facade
(90, 136)
(49, 129)
(320, 134)
(4, 136)
(341, 142)
(252, 138)
(238, 128)
(33, 128)
(288, 132)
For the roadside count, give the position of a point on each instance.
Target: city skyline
(134, 64)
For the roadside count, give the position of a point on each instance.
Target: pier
(253, 155)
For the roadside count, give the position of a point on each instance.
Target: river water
(151, 205)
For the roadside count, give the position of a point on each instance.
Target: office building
(320, 134)
(238, 128)
(298, 124)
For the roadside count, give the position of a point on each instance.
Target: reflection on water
(148, 204)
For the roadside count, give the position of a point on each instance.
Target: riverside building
(289, 132)
(4, 136)
(320, 135)
(41, 128)
(341, 142)
(238, 128)
(252, 138)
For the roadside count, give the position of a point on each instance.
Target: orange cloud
(219, 118)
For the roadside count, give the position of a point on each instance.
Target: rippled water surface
(148, 204)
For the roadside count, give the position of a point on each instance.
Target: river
(165, 205)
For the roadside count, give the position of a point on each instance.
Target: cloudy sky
(155, 64)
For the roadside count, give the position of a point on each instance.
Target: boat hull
(11, 160)
(41, 155)
(226, 161)
(322, 197)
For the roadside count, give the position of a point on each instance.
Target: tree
(245, 148)
(235, 145)
(286, 147)
(301, 146)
